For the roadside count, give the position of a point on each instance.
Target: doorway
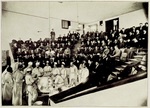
(112, 24)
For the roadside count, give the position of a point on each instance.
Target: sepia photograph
(74, 53)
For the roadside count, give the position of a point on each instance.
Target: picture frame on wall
(65, 24)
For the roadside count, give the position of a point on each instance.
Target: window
(65, 24)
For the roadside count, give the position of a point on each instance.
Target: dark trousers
(7, 103)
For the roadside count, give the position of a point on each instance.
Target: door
(112, 24)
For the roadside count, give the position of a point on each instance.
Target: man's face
(19, 50)
(37, 64)
(96, 48)
(32, 55)
(62, 66)
(113, 35)
(96, 63)
(130, 33)
(30, 65)
(115, 40)
(71, 63)
(115, 47)
(144, 31)
(58, 55)
(137, 31)
(141, 24)
(47, 64)
(89, 61)
(39, 55)
(121, 40)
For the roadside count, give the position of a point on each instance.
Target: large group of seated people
(43, 50)
(92, 62)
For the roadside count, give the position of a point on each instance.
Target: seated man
(121, 43)
(83, 74)
(115, 58)
(116, 53)
(105, 52)
(37, 71)
(52, 53)
(47, 69)
(55, 70)
(67, 52)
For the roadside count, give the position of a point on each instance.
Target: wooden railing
(73, 93)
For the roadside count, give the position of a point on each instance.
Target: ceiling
(87, 12)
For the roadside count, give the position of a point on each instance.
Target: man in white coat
(31, 90)
(37, 71)
(63, 73)
(83, 74)
(47, 69)
(73, 75)
(30, 64)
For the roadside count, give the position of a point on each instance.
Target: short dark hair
(20, 66)
(9, 69)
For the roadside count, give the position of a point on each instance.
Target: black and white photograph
(74, 53)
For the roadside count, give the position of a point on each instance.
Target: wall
(132, 95)
(15, 26)
(56, 25)
(125, 20)
(100, 28)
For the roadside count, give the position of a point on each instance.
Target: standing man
(73, 75)
(52, 35)
(63, 73)
(7, 86)
(97, 74)
(17, 88)
(31, 90)
(83, 74)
